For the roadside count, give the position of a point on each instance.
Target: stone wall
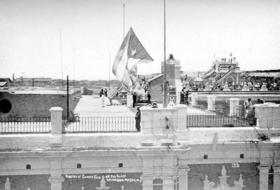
(249, 172)
(23, 182)
(112, 181)
(36, 105)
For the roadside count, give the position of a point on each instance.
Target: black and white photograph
(139, 94)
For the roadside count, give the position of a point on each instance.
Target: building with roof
(224, 71)
(173, 77)
(5, 83)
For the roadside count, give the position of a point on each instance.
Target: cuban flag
(131, 53)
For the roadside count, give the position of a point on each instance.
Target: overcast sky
(91, 31)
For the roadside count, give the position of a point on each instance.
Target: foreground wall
(165, 155)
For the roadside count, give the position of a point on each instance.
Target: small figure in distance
(101, 94)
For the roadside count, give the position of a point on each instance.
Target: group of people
(250, 110)
(104, 97)
(184, 96)
(255, 83)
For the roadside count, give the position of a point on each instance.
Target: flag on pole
(129, 55)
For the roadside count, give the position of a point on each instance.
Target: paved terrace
(91, 106)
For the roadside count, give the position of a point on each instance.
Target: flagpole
(164, 56)
(109, 69)
(61, 53)
(123, 18)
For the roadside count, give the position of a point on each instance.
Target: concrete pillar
(268, 115)
(263, 177)
(211, 102)
(276, 177)
(183, 177)
(168, 182)
(129, 100)
(56, 120)
(147, 182)
(156, 120)
(56, 178)
(56, 182)
(181, 119)
(147, 177)
(57, 126)
(234, 107)
(146, 120)
(194, 99)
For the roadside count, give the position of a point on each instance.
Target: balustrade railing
(101, 124)
(15, 125)
(218, 120)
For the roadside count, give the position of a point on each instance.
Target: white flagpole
(109, 69)
(61, 54)
(123, 18)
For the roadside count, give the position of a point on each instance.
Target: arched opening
(5, 106)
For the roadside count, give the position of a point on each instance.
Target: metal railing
(216, 119)
(101, 124)
(16, 125)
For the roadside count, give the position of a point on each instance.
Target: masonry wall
(23, 182)
(249, 172)
(129, 181)
(36, 105)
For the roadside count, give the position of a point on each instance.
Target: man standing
(138, 119)
(101, 94)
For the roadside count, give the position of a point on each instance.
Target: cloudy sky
(91, 33)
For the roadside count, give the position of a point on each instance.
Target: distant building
(37, 81)
(224, 70)
(173, 77)
(5, 83)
